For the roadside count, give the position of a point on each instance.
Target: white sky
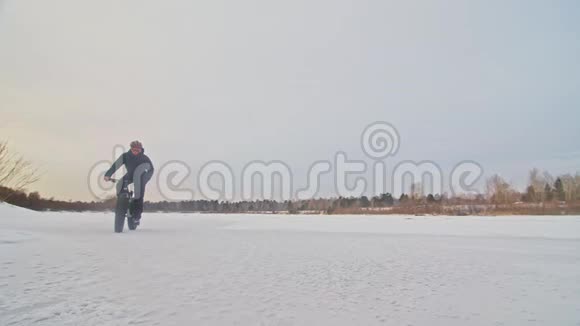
(492, 81)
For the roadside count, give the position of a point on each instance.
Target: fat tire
(120, 211)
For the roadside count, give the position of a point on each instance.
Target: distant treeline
(544, 195)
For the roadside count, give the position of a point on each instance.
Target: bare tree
(577, 181)
(538, 183)
(498, 190)
(548, 178)
(15, 172)
(416, 191)
(570, 186)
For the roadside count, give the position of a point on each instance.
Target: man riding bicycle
(139, 172)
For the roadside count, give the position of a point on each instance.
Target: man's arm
(117, 165)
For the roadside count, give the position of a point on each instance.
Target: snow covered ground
(71, 269)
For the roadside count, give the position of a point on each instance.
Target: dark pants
(138, 194)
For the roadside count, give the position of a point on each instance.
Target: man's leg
(138, 208)
(138, 201)
(140, 181)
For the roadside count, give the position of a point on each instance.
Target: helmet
(136, 144)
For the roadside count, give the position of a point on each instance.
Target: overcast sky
(493, 81)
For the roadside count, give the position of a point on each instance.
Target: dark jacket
(134, 163)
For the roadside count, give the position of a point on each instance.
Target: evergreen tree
(559, 190)
(403, 198)
(364, 201)
(530, 195)
(430, 198)
(387, 199)
(548, 193)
